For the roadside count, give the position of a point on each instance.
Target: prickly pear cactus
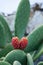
(22, 17)
(2, 36)
(21, 50)
(7, 29)
(34, 40)
(18, 55)
(6, 50)
(4, 63)
(16, 63)
(40, 63)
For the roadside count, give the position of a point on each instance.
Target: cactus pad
(18, 55)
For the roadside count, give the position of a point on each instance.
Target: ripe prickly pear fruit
(15, 42)
(23, 42)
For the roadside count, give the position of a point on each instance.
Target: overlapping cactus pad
(20, 49)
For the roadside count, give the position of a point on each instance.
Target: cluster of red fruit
(19, 44)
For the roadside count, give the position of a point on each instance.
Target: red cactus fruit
(23, 43)
(15, 42)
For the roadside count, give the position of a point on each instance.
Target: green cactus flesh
(22, 16)
(39, 53)
(16, 63)
(29, 60)
(2, 58)
(7, 29)
(6, 50)
(35, 39)
(4, 63)
(40, 63)
(18, 55)
(2, 36)
(32, 53)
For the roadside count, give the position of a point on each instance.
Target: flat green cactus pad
(7, 29)
(22, 17)
(35, 39)
(4, 63)
(40, 63)
(2, 36)
(16, 63)
(18, 55)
